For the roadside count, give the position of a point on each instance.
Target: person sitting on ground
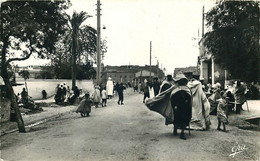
(85, 106)
(222, 111)
(75, 95)
(24, 96)
(44, 94)
(58, 96)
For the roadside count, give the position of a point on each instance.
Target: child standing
(104, 97)
(222, 111)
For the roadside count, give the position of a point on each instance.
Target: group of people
(63, 94)
(191, 101)
(180, 102)
(100, 95)
(235, 95)
(25, 100)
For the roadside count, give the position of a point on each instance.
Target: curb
(37, 122)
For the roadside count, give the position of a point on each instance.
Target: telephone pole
(98, 77)
(202, 22)
(150, 60)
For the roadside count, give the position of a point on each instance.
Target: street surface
(126, 132)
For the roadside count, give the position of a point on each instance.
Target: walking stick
(189, 129)
(247, 106)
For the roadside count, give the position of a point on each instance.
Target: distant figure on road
(139, 87)
(96, 96)
(110, 88)
(156, 86)
(104, 97)
(146, 91)
(120, 91)
(85, 106)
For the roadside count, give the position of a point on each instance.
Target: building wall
(119, 77)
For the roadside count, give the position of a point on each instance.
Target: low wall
(5, 108)
(35, 86)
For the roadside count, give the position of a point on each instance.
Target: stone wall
(5, 108)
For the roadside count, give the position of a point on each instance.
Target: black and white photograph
(130, 80)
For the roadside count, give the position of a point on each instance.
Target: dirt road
(126, 132)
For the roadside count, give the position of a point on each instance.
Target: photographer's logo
(236, 149)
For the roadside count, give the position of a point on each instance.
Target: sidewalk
(48, 113)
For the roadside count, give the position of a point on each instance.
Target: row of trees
(43, 28)
(233, 38)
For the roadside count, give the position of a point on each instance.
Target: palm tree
(26, 75)
(75, 22)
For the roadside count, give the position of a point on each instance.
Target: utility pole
(202, 22)
(98, 77)
(150, 60)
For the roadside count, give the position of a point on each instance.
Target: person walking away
(182, 105)
(166, 84)
(96, 96)
(139, 87)
(146, 91)
(116, 88)
(84, 107)
(110, 87)
(239, 94)
(120, 91)
(104, 97)
(222, 111)
(156, 86)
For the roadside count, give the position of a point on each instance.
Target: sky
(171, 26)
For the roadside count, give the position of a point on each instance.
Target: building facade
(211, 72)
(130, 73)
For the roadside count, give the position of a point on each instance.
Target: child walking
(222, 111)
(104, 97)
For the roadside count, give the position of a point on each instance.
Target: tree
(26, 75)
(233, 38)
(75, 22)
(28, 27)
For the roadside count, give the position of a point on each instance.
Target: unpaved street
(125, 132)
